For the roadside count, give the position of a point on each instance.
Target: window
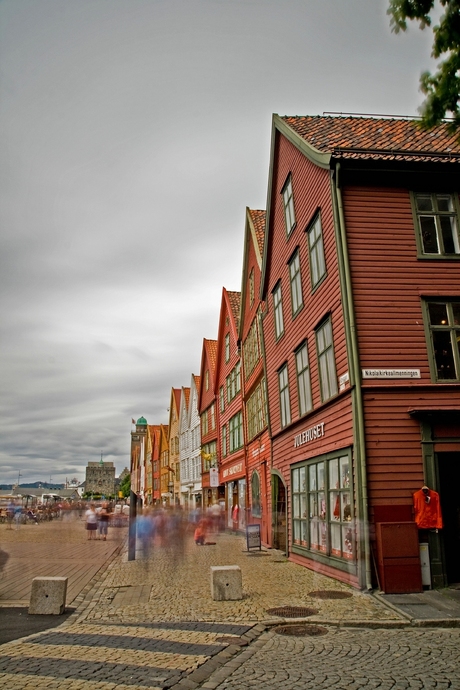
(227, 347)
(303, 380)
(316, 249)
(251, 349)
(296, 284)
(437, 224)
(285, 406)
(278, 309)
(204, 423)
(224, 441)
(251, 287)
(221, 398)
(288, 203)
(208, 455)
(256, 509)
(233, 381)
(206, 379)
(444, 325)
(235, 432)
(322, 511)
(256, 410)
(326, 360)
(213, 416)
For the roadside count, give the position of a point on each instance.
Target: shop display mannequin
(427, 509)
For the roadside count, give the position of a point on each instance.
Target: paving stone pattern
(152, 623)
(346, 659)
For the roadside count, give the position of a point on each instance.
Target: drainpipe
(355, 372)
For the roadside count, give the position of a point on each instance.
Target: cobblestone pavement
(346, 658)
(152, 623)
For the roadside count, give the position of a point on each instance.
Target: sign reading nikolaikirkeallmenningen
(391, 374)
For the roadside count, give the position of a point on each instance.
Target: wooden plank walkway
(47, 550)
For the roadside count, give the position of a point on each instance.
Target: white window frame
(278, 311)
(288, 205)
(285, 402)
(326, 360)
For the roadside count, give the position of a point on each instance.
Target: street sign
(253, 537)
(213, 477)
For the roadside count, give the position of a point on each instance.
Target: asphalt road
(15, 622)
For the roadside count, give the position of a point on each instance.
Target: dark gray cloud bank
(133, 135)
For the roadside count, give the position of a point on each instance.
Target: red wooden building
(361, 330)
(231, 451)
(257, 440)
(207, 411)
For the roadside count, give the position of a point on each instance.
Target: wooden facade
(257, 439)
(174, 430)
(230, 422)
(208, 410)
(342, 210)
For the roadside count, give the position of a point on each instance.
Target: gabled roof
(375, 138)
(234, 299)
(209, 355)
(230, 305)
(258, 222)
(254, 234)
(211, 351)
(177, 393)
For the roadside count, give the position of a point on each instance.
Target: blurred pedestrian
(145, 529)
(103, 521)
(200, 533)
(17, 515)
(91, 521)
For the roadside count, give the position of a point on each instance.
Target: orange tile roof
(258, 220)
(235, 298)
(186, 395)
(211, 349)
(197, 379)
(376, 138)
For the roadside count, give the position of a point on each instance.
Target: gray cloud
(133, 135)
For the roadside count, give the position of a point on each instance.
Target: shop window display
(322, 508)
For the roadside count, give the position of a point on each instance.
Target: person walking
(91, 521)
(103, 521)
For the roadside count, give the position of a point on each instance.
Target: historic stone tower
(100, 478)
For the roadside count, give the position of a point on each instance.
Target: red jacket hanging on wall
(427, 509)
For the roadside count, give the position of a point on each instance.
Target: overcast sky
(133, 134)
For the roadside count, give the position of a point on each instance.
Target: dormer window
(288, 203)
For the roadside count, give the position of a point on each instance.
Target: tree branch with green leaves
(442, 89)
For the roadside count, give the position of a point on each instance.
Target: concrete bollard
(48, 595)
(226, 583)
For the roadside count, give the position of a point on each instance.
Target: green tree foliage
(442, 89)
(125, 486)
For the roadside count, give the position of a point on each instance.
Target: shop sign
(234, 469)
(253, 537)
(309, 435)
(343, 380)
(258, 451)
(213, 477)
(391, 374)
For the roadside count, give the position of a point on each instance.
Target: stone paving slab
(268, 582)
(345, 658)
(152, 623)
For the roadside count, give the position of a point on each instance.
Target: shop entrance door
(279, 514)
(449, 493)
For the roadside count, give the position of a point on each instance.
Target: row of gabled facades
(332, 392)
